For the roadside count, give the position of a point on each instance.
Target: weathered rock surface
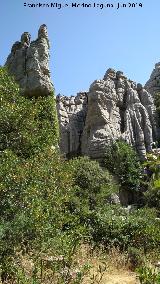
(114, 108)
(29, 63)
(72, 114)
(153, 84)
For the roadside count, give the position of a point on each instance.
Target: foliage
(114, 226)
(36, 184)
(148, 275)
(49, 205)
(122, 161)
(153, 192)
(134, 257)
(26, 125)
(92, 182)
(34, 207)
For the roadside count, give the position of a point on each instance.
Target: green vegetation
(50, 206)
(26, 125)
(148, 275)
(123, 162)
(153, 192)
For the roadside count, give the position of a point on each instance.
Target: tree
(122, 161)
(26, 125)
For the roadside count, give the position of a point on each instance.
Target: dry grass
(111, 268)
(105, 268)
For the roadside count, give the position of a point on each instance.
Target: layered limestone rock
(153, 84)
(72, 114)
(28, 62)
(114, 108)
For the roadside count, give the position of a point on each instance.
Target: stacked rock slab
(153, 84)
(72, 114)
(114, 108)
(28, 62)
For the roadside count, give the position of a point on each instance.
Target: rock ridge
(113, 108)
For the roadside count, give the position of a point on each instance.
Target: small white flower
(154, 157)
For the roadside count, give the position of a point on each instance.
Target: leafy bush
(113, 226)
(153, 192)
(35, 194)
(92, 184)
(148, 275)
(26, 125)
(122, 161)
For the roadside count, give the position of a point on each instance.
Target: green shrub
(135, 258)
(148, 275)
(114, 226)
(153, 193)
(26, 125)
(93, 184)
(122, 161)
(34, 198)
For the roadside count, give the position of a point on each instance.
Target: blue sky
(85, 42)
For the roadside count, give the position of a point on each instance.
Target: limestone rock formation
(114, 108)
(72, 114)
(153, 84)
(29, 63)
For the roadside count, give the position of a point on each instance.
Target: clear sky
(85, 42)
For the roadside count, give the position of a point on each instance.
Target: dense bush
(113, 226)
(34, 198)
(26, 125)
(148, 275)
(153, 193)
(92, 182)
(122, 161)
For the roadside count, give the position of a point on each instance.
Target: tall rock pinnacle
(29, 63)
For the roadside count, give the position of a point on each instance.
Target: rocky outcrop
(153, 84)
(72, 115)
(28, 62)
(114, 108)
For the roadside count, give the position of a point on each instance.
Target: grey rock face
(114, 108)
(71, 113)
(153, 84)
(113, 199)
(29, 63)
